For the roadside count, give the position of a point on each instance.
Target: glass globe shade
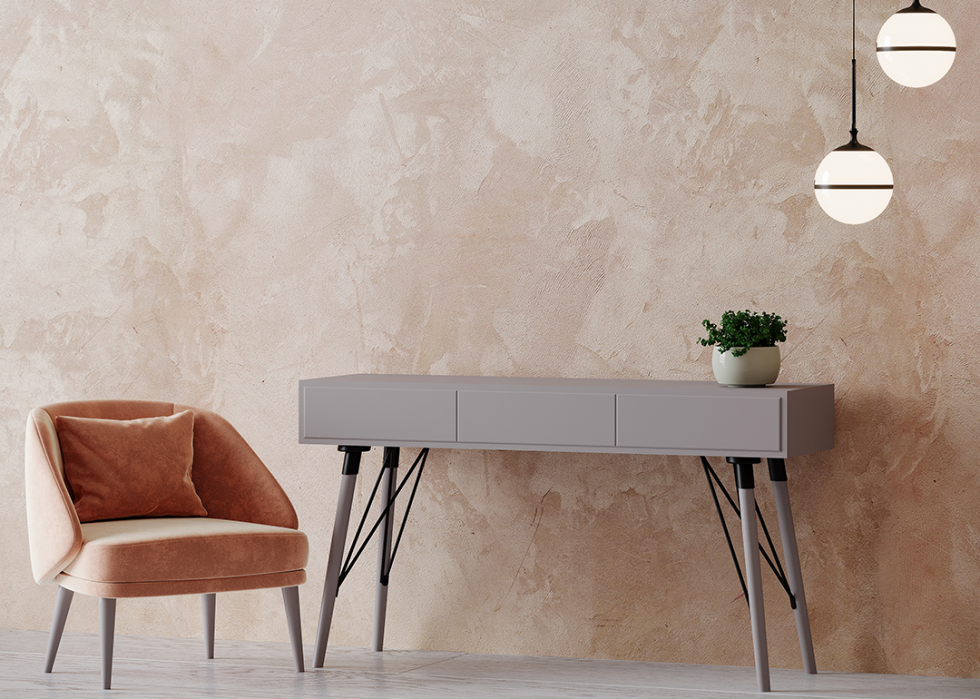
(916, 47)
(853, 184)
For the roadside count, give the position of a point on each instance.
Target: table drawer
(737, 423)
(537, 418)
(368, 417)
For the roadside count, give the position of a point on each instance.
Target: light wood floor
(160, 667)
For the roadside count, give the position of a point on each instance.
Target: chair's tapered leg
(61, 606)
(290, 598)
(107, 630)
(207, 611)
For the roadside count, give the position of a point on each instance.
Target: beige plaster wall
(208, 201)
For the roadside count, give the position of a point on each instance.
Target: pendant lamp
(853, 183)
(916, 46)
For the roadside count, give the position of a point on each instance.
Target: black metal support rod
(724, 490)
(709, 472)
(775, 564)
(352, 556)
(423, 455)
(745, 478)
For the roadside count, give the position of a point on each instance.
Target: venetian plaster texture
(208, 201)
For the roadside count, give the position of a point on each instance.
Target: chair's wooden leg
(290, 597)
(207, 610)
(61, 607)
(107, 630)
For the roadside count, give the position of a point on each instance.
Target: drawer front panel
(537, 418)
(700, 422)
(378, 416)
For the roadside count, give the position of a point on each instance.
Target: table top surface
(550, 384)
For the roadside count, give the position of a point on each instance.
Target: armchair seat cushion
(182, 550)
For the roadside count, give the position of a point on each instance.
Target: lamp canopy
(916, 46)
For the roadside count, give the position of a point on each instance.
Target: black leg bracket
(352, 459)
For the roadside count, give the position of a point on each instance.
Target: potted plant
(745, 351)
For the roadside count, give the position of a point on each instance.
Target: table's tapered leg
(745, 480)
(794, 574)
(389, 478)
(352, 464)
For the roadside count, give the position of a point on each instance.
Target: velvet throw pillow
(118, 469)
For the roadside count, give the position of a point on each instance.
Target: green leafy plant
(741, 330)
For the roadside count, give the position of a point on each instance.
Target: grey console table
(696, 418)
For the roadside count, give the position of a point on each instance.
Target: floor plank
(152, 668)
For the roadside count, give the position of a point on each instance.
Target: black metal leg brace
(745, 478)
(391, 457)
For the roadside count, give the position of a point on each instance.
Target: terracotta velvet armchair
(143, 499)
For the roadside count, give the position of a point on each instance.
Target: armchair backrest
(229, 477)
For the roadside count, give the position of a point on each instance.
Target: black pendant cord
(854, 109)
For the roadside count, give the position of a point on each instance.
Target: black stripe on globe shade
(916, 46)
(854, 186)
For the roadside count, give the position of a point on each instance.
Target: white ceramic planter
(757, 367)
